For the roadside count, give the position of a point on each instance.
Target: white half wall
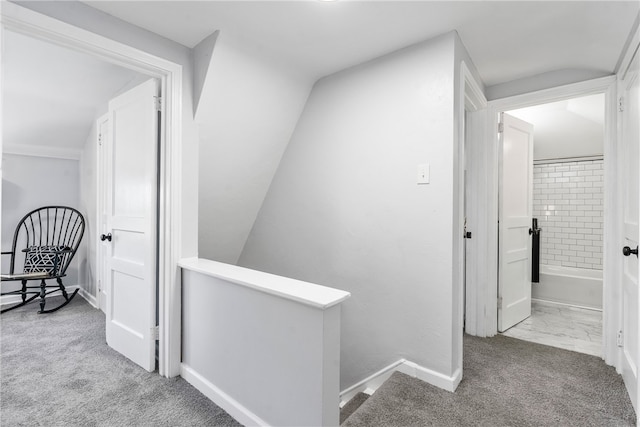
(344, 207)
(247, 112)
(264, 348)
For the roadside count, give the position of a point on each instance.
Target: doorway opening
(21, 20)
(567, 204)
(56, 154)
(50, 147)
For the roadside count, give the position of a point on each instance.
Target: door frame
(100, 189)
(611, 274)
(21, 20)
(467, 255)
(472, 141)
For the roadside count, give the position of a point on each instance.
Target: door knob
(104, 237)
(626, 251)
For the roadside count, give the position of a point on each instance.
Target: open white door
(131, 224)
(515, 210)
(629, 91)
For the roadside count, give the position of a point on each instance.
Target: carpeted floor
(56, 370)
(507, 382)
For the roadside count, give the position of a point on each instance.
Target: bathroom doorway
(568, 204)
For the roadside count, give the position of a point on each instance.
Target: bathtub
(573, 286)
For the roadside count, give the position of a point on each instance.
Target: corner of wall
(202, 56)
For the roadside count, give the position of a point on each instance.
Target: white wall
(31, 182)
(344, 209)
(247, 112)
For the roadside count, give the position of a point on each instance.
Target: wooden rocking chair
(49, 238)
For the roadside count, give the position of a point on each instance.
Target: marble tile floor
(557, 325)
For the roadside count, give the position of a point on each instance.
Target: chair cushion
(44, 259)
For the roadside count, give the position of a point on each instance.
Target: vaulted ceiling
(52, 95)
(507, 40)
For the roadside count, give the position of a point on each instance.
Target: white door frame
(611, 274)
(471, 140)
(100, 206)
(468, 145)
(21, 20)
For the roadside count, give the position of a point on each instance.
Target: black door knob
(104, 237)
(626, 251)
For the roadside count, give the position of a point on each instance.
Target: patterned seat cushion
(44, 259)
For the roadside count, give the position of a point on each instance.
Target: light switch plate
(423, 173)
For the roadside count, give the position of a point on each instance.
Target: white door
(515, 210)
(630, 135)
(131, 224)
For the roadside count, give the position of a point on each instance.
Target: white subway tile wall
(568, 202)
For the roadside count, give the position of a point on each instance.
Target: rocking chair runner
(49, 238)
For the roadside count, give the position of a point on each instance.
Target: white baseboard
(15, 299)
(432, 377)
(370, 384)
(10, 299)
(584, 307)
(230, 405)
(91, 299)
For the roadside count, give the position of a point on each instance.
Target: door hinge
(155, 333)
(619, 339)
(621, 104)
(158, 103)
(500, 127)
(99, 139)
(499, 302)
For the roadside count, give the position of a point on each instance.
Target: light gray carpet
(56, 370)
(507, 382)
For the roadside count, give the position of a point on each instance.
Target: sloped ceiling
(571, 128)
(52, 95)
(507, 40)
(62, 91)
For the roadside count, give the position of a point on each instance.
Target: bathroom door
(629, 91)
(515, 211)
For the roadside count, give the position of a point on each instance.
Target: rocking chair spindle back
(49, 238)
